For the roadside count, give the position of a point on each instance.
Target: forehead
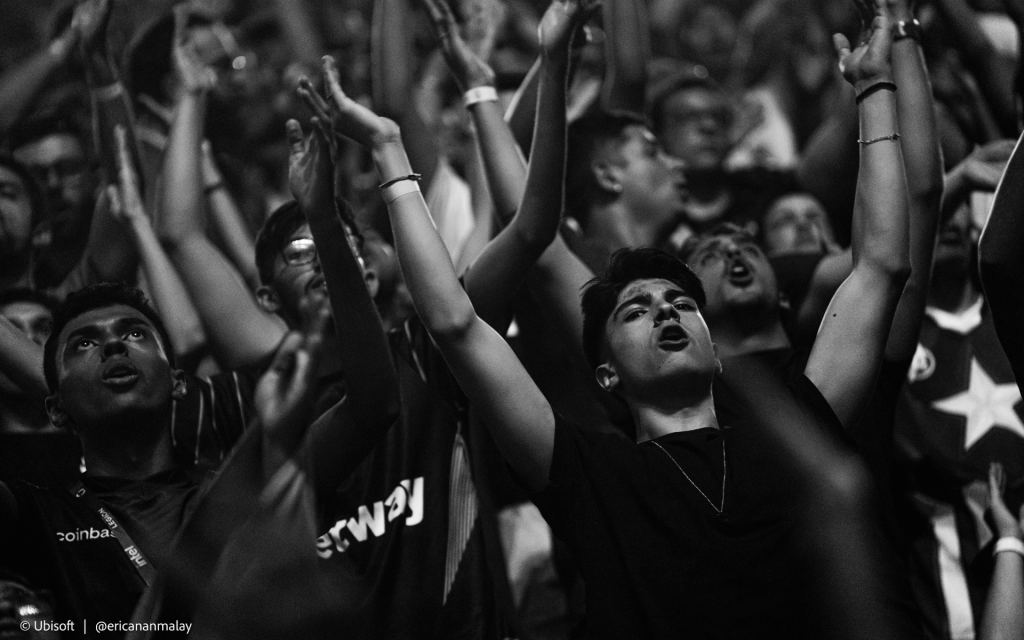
(796, 202)
(49, 149)
(712, 243)
(656, 287)
(694, 98)
(97, 318)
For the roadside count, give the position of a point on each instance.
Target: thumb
(841, 44)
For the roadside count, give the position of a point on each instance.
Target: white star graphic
(985, 404)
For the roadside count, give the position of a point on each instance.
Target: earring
(617, 188)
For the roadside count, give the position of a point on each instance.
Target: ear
(372, 281)
(179, 388)
(267, 299)
(718, 360)
(55, 410)
(606, 176)
(606, 377)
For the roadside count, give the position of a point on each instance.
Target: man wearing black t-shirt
(687, 531)
(113, 383)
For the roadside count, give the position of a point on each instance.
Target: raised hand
(467, 68)
(194, 76)
(352, 119)
(1005, 523)
(284, 394)
(310, 169)
(869, 62)
(125, 199)
(560, 22)
(90, 21)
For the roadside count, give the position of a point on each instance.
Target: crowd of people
(493, 319)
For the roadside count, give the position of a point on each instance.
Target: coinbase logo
(83, 534)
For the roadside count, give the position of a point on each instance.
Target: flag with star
(960, 410)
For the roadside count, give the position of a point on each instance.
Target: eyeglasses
(298, 252)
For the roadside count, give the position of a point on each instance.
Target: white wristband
(480, 94)
(1011, 544)
(399, 189)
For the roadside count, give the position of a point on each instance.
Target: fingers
(842, 46)
(442, 17)
(284, 358)
(313, 100)
(296, 139)
(114, 204)
(332, 83)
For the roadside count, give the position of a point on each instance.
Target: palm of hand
(306, 169)
(871, 59)
(556, 26)
(193, 74)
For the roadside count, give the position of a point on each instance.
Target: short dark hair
(35, 191)
(48, 123)
(586, 138)
(729, 229)
(601, 294)
(98, 296)
(683, 79)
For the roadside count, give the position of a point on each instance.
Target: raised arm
(923, 161)
(240, 332)
(110, 250)
(168, 292)
(371, 383)
(851, 341)
(228, 220)
(1002, 261)
(22, 82)
(21, 360)
(627, 50)
(516, 413)
(1003, 617)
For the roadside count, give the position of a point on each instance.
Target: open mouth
(673, 338)
(120, 374)
(317, 284)
(740, 274)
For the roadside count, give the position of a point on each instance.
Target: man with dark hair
(110, 367)
(622, 188)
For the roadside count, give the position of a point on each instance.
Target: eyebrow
(639, 298)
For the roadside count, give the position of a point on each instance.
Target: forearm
(239, 331)
(503, 162)
(880, 224)
(923, 162)
(233, 232)
(21, 360)
(520, 113)
(442, 304)
(1003, 618)
(181, 211)
(627, 51)
(111, 107)
(169, 295)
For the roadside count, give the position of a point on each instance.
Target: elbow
(450, 325)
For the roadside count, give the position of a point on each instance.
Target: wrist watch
(906, 29)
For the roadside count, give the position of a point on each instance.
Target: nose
(114, 346)
(666, 311)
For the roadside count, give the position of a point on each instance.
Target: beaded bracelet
(893, 136)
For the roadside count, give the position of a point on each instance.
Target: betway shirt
(407, 523)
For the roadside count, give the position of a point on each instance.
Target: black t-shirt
(658, 561)
(62, 544)
(407, 523)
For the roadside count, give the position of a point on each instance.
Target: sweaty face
(31, 318)
(15, 214)
(653, 185)
(796, 224)
(59, 164)
(736, 275)
(695, 125)
(111, 363)
(657, 341)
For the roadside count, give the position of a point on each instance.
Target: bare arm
(21, 360)
(240, 332)
(851, 341)
(23, 82)
(517, 414)
(228, 220)
(1003, 618)
(627, 51)
(169, 294)
(1002, 261)
(923, 161)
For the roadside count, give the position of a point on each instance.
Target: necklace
(717, 509)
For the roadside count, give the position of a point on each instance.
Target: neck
(613, 225)
(952, 290)
(129, 452)
(655, 420)
(745, 333)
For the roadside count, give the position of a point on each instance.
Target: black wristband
(878, 86)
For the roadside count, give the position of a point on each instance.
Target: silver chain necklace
(717, 509)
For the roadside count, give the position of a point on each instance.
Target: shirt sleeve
(566, 479)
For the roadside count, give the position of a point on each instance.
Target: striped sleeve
(211, 417)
